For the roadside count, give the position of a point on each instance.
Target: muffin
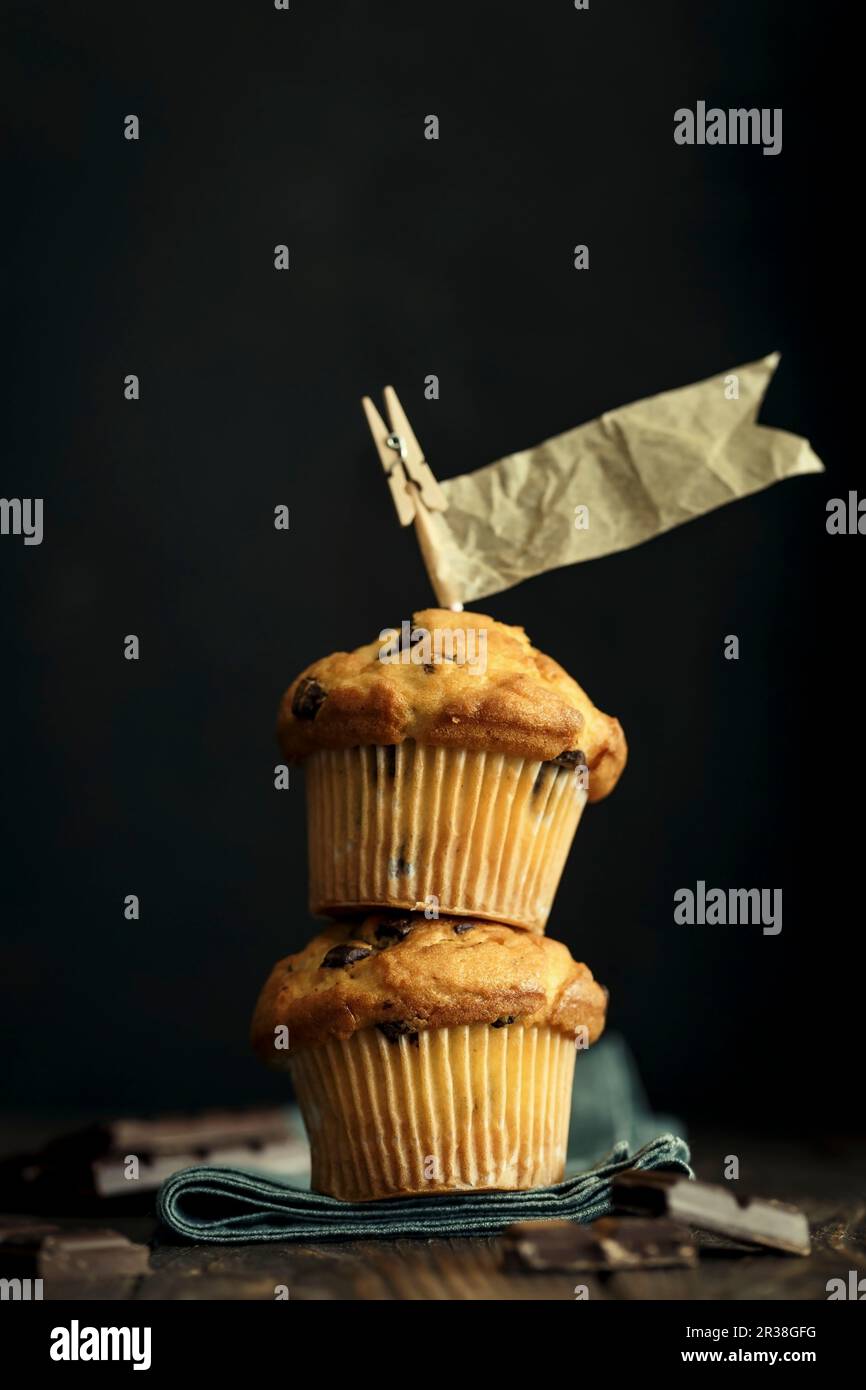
(430, 1056)
(447, 764)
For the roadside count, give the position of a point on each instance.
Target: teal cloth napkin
(609, 1115)
(229, 1205)
(609, 1105)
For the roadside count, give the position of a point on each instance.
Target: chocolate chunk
(340, 956)
(401, 867)
(395, 1030)
(394, 931)
(175, 1134)
(710, 1207)
(89, 1166)
(461, 927)
(74, 1254)
(285, 1154)
(308, 698)
(609, 1243)
(503, 1022)
(570, 758)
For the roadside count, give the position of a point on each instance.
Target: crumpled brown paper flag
(637, 470)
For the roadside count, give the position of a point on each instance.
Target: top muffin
(459, 680)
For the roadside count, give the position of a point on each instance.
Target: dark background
(409, 257)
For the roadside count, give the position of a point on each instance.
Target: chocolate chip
(429, 668)
(394, 931)
(340, 956)
(400, 867)
(308, 698)
(503, 1022)
(570, 758)
(461, 927)
(394, 1031)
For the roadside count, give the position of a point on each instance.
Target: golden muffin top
(403, 974)
(459, 680)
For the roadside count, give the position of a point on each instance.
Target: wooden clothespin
(414, 489)
(409, 477)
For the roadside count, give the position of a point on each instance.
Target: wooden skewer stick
(442, 587)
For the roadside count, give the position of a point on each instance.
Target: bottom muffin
(430, 1056)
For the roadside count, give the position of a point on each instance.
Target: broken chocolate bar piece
(208, 1129)
(87, 1253)
(92, 1164)
(610, 1243)
(112, 1176)
(752, 1220)
(176, 1134)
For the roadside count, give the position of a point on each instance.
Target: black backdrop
(408, 257)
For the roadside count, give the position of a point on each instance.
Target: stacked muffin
(431, 1029)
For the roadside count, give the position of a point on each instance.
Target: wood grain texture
(828, 1181)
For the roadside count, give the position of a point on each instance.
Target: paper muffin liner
(476, 834)
(473, 1107)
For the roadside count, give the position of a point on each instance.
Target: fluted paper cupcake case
(475, 1107)
(478, 834)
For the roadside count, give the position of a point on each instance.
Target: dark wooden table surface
(827, 1179)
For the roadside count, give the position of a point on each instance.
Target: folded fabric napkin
(230, 1205)
(609, 1105)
